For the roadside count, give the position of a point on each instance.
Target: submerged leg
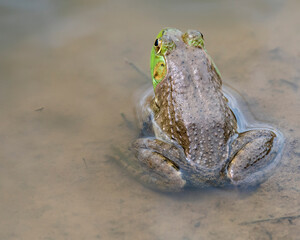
(251, 152)
(153, 166)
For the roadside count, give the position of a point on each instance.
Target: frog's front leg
(251, 152)
(158, 161)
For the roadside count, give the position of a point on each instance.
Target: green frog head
(166, 41)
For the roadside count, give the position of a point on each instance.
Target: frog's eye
(163, 45)
(193, 38)
(201, 35)
(157, 45)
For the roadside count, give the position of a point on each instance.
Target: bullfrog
(190, 133)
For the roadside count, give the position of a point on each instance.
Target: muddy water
(64, 82)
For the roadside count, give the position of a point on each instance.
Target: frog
(189, 135)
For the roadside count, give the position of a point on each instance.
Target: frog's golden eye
(194, 38)
(157, 45)
(201, 35)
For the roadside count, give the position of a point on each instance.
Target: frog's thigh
(251, 152)
(159, 172)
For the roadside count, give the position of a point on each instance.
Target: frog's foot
(251, 152)
(159, 171)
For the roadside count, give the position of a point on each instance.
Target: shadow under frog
(193, 138)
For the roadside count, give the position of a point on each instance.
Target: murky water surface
(65, 82)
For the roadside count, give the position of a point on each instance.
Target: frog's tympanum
(192, 138)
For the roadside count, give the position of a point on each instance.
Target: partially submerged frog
(192, 135)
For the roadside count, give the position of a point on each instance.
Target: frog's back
(194, 111)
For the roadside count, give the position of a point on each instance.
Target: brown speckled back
(192, 108)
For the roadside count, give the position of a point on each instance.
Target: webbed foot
(251, 152)
(158, 170)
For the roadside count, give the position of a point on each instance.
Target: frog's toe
(252, 152)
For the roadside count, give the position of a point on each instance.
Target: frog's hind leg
(156, 170)
(251, 152)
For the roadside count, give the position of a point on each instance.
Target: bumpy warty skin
(192, 108)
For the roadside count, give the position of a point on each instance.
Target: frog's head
(165, 42)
